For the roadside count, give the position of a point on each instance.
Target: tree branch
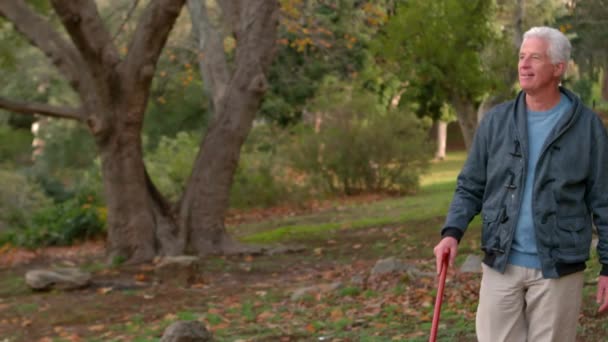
(212, 58)
(258, 21)
(42, 35)
(127, 17)
(150, 36)
(87, 30)
(231, 11)
(42, 109)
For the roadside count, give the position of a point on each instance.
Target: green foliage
(176, 104)
(583, 88)
(316, 38)
(361, 147)
(259, 180)
(585, 23)
(435, 46)
(67, 145)
(15, 145)
(170, 164)
(19, 198)
(255, 184)
(61, 224)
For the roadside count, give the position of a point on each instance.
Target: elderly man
(538, 172)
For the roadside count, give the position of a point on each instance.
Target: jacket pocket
(489, 229)
(573, 239)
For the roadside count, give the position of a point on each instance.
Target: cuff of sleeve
(452, 232)
(604, 271)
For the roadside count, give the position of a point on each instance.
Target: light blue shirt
(523, 250)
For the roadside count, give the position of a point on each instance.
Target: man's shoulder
(500, 112)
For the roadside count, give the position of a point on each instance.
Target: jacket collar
(520, 118)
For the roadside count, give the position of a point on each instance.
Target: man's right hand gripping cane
(446, 244)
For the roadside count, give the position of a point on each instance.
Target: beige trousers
(520, 305)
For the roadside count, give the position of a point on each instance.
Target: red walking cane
(439, 298)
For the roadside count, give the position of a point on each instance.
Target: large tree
(435, 47)
(114, 90)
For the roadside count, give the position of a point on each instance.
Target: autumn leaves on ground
(324, 293)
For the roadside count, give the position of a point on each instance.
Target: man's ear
(559, 69)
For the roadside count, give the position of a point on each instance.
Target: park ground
(249, 297)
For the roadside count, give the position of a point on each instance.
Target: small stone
(186, 331)
(58, 278)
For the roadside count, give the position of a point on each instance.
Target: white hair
(559, 45)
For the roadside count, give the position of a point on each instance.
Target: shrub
(15, 145)
(263, 178)
(359, 149)
(171, 162)
(259, 180)
(61, 224)
(19, 198)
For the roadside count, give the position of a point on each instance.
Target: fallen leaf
(170, 316)
(140, 277)
(98, 327)
(310, 328)
(336, 314)
(264, 316)
(104, 290)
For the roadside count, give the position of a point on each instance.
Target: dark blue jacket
(570, 192)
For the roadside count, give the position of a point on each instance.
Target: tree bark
(206, 200)
(140, 222)
(467, 118)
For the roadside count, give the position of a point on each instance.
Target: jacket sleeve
(470, 185)
(597, 193)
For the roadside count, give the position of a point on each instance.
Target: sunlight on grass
(445, 171)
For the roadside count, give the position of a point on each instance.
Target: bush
(359, 149)
(19, 198)
(15, 145)
(258, 181)
(60, 225)
(170, 164)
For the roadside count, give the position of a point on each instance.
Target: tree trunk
(207, 196)
(140, 221)
(467, 118)
(442, 137)
(206, 199)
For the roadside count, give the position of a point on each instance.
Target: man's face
(536, 72)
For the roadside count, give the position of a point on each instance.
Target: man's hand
(602, 293)
(450, 244)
